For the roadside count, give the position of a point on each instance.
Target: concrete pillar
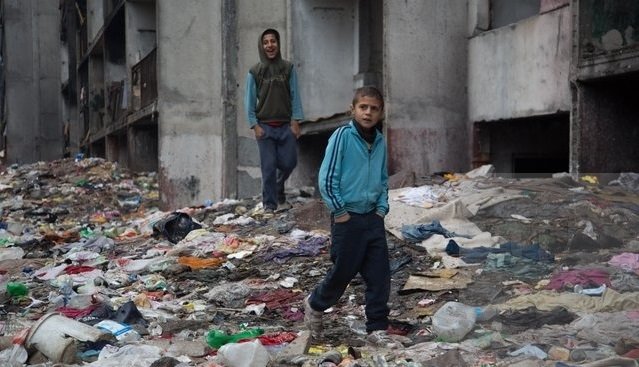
(425, 76)
(32, 35)
(190, 121)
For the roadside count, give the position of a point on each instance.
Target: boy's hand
(295, 128)
(257, 129)
(343, 218)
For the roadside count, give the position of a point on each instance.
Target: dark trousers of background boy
(278, 158)
(358, 246)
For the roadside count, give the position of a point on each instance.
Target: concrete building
(531, 86)
(551, 86)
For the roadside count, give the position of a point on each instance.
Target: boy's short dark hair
(272, 31)
(368, 91)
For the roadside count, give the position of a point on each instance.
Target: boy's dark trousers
(358, 246)
(278, 158)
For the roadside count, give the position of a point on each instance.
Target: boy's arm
(250, 100)
(296, 100)
(382, 201)
(330, 175)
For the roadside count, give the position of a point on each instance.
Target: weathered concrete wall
(521, 70)
(504, 12)
(323, 46)
(140, 35)
(253, 17)
(32, 30)
(95, 18)
(608, 26)
(608, 38)
(191, 155)
(326, 52)
(605, 78)
(478, 16)
(425, 79)
(549, 5)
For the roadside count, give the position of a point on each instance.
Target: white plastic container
(453, 321)
(249, 354)
(56, 337)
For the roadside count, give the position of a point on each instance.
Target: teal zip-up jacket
(354, 177)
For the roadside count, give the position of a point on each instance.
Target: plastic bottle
(11, 253)
(17, 289)
(14, 357)
(217, 338)
(453, 321)
(251, 354)
(485, 313)
(590, 291)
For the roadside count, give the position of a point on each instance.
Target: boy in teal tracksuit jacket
(353, 182)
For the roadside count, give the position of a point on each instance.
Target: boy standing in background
(274, 108)
(353, 182)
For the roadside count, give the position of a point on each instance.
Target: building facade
(530, 86)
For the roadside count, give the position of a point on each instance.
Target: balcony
(144, 89)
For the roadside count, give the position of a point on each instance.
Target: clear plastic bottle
(453, 321)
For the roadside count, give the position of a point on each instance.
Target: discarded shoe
(312, 319)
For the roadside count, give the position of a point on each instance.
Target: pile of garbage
(486, 271)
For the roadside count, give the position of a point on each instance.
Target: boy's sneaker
(382, 339)
(312, 319)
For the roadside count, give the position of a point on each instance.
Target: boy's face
(270, 46)
(367, 111)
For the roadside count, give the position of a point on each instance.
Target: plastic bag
(250, 354)
(175, 226)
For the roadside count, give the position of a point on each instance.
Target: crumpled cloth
(585, 277)
(475, 255)
(610, 301)
(418, 232)
(309, 247)
(628, 261)
(280, 298)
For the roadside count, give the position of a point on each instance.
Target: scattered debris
(487, 271)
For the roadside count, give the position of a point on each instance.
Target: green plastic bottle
(17, 289)
(217, 338)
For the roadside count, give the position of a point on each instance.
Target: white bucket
(56, 337)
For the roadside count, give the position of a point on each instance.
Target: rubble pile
(486, 271)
